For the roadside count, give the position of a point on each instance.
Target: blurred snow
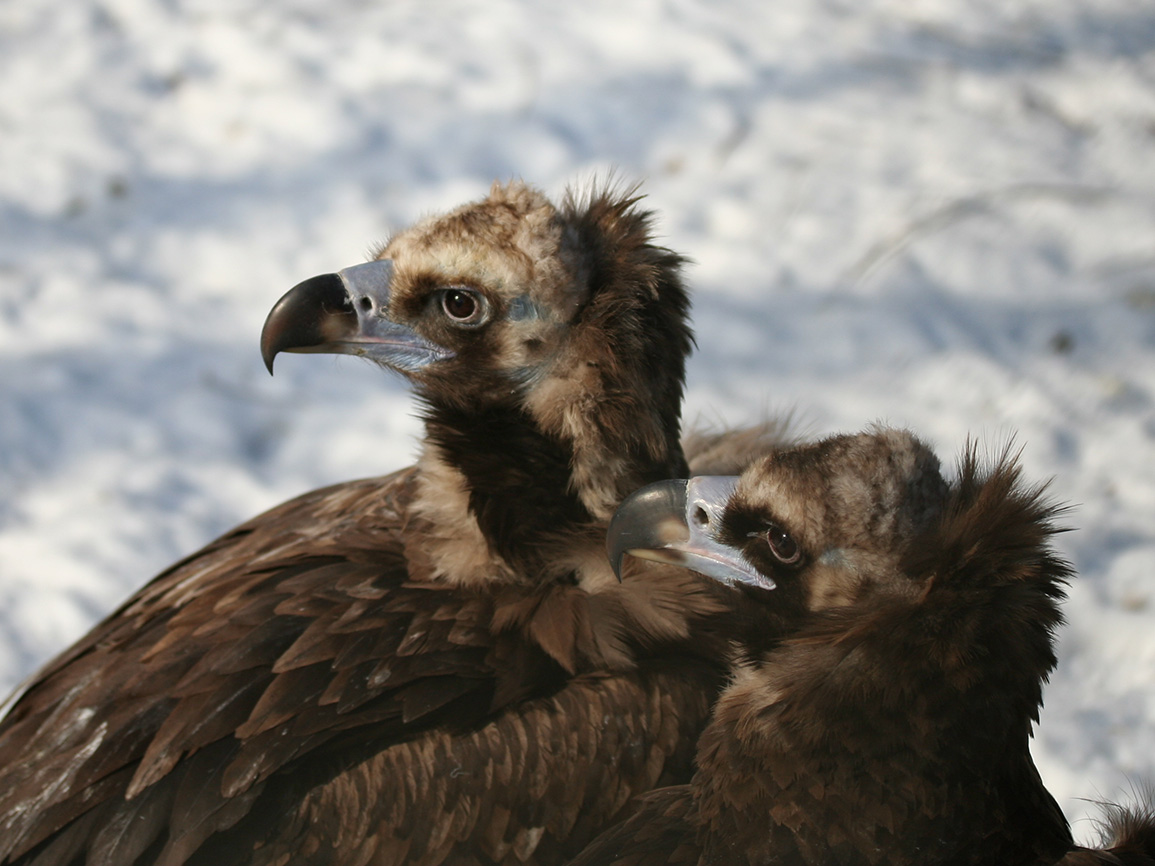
(939, 215)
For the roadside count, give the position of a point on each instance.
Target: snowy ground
(937, 214)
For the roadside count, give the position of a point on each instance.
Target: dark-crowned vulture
(437, 666)
(882, 714)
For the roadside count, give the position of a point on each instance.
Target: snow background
(939, 215)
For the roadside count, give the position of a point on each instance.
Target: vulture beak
(678, 522)
(345, 314)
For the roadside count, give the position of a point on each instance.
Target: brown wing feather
(661, 832)
(533, 785)
(318, 690)
(212, 656)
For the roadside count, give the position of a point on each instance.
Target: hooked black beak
(346, 313)
(678, 522)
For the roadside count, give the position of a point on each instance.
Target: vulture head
(804, 530)
(546, 342)
(883, 710)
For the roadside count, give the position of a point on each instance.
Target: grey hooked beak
(678, 522)
(345, 314)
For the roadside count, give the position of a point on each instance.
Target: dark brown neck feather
(864, 757)
(519, 481)
(638, 317)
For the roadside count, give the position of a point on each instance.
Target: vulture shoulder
(228, 667)
(254, 699)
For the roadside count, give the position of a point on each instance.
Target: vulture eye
(782, 545)
(462, 306)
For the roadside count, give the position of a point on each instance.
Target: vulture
(881, 713)
(433, 667)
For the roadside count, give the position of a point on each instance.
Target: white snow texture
(937, 214)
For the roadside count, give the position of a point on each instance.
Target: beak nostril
(701, 517)
(366, 303)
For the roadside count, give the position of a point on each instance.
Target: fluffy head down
(850, 503)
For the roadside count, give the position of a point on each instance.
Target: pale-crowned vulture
(437, 666)
(882, 713)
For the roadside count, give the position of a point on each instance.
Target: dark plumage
(882, 713)
(419, 668)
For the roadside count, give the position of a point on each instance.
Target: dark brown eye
(784, 548)
(462, 306)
